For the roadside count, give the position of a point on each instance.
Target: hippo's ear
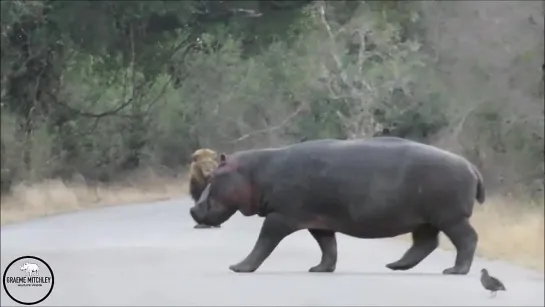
(223, 158)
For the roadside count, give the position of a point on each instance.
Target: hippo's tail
(481, 195)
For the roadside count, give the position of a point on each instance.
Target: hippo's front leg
(275, 228)
(328, 245)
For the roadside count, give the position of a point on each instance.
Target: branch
(148, 110)
(95, 115)
(133, 72)
(124, 104)
(299, 110)
(246, 12)
(37, 86)
(336, 57)
(163, 90)
(360, 120)
(331, 35)
(455, 136)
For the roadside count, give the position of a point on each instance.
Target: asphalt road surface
(150, 255)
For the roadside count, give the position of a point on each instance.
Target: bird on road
(491, 283)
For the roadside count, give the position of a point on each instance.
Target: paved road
(150, 255)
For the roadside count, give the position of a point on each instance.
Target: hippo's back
(377, 153)
(382, 169)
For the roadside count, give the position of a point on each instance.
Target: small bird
(491, 283)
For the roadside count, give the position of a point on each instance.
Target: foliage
(100, 88)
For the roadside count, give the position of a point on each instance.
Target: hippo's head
(229, 190)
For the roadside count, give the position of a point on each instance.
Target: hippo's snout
(196, 215)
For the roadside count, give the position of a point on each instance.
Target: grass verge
(508, 229)
(55, 196)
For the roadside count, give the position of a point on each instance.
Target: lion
(203, 162)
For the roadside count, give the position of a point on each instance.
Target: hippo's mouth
(205, 214)
(199, 212)
(195, 215)
(210, 212)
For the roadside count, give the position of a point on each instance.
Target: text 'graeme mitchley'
(29, 280)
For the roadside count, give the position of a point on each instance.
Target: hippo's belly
(369, 226)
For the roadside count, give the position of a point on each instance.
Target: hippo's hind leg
(328, 245)
(464, 237)
(425, 241)
(275, 228)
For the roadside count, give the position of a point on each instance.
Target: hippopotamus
(373, 188)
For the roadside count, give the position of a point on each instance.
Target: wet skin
(377, 188)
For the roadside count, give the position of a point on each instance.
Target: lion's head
(204, 162)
